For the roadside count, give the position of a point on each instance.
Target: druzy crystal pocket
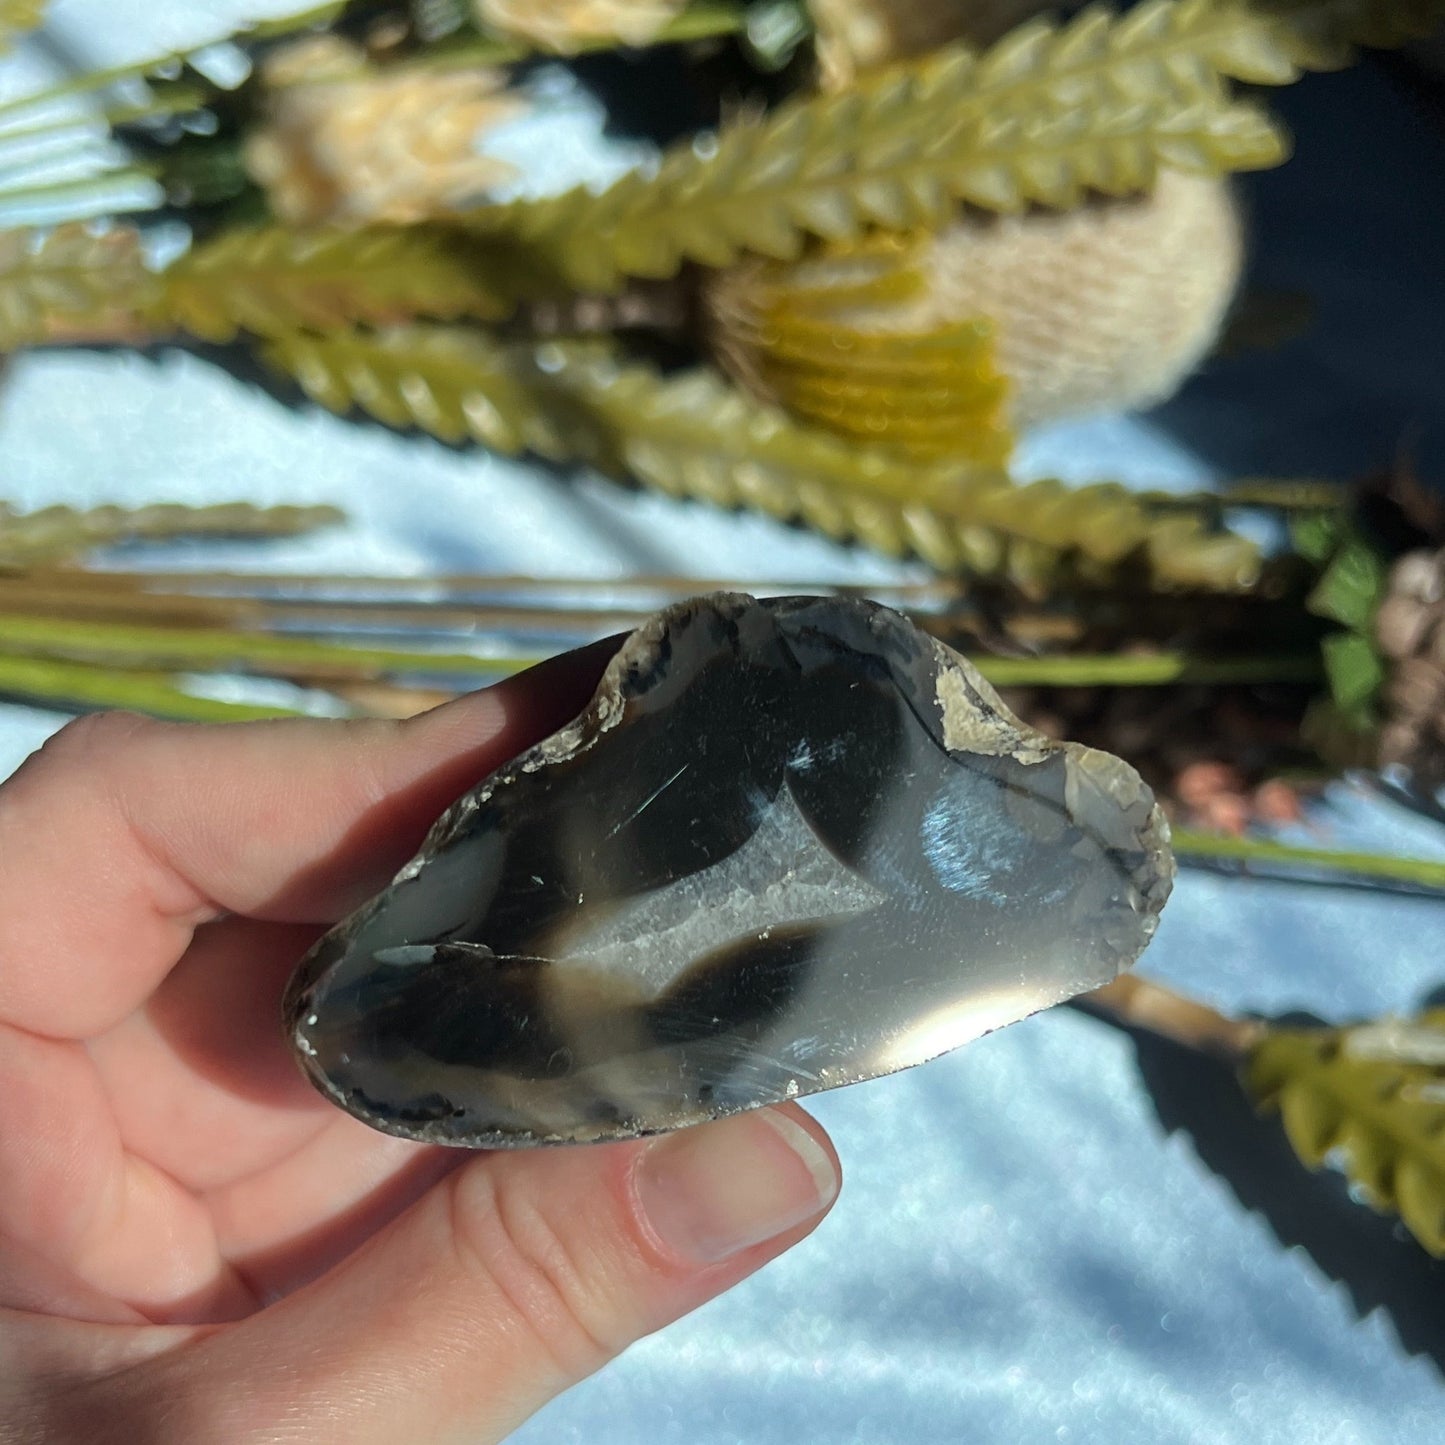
(790, 844)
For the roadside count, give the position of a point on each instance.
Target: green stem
(87, 84)
(1155, 669)
(74, 687)
(1286, 494)
(281, 25)
(139, 645)
(1281, 494)
(175, 100)
(1426, 873)
(59, 532)
(205, 172)
(100, 188)
(127, 645)
(94, 80)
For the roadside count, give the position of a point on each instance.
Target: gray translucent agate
(790, 844)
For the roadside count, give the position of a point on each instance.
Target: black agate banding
(790, 844)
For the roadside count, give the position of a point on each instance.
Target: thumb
(515, 1277)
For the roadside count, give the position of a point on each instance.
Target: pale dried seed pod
(1397, 745)
(1416, 689)
(1418, 575)
(346, 143)
(1104, 307)
(1409, 629)
(1101, 308)
(1401, 624)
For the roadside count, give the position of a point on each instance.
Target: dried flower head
(1110, 305)
(564, 26)
(1409, 629)
(348, 143)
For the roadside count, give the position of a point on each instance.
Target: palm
(250, 1176)
(261, 1184)
(165, 1167)
(161, 1156)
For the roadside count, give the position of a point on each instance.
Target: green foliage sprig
(1351, 584)
(452, 383)
(273, 280)
(58, 534)
(694, 436)
(1043, 117)
(1374, 1097)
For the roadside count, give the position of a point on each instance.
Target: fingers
(200, 1080)
(121, 834)
(510, 1280)
(74, 1200)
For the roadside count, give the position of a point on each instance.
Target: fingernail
(712, 1191)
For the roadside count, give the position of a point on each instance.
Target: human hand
(194, 1245)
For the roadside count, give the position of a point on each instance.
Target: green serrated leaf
(1374, 1096)
(1316, 536)
(1355, 671)
(1042, 118)
(273, 280)
(1352, 585)
(693, 435)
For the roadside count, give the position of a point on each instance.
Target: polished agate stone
(790, 844)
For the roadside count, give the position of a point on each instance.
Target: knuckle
(505, 1236)
(94, 737)
(71, 758)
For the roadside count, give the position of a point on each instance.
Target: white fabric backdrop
(1022, 1253)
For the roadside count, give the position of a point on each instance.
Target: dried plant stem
(1279, 494)
(75, 687)
(127, 645)
(945, 606)
(130, 644)
(52, 597)
(57, 532)
(1272, 857)
(103, 185)
(1139, 1003)
(1157, 669)
(940, 590)
(168, 101)
(45, 594)
(1286, 494)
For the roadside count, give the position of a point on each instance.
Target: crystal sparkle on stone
(790, 844)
